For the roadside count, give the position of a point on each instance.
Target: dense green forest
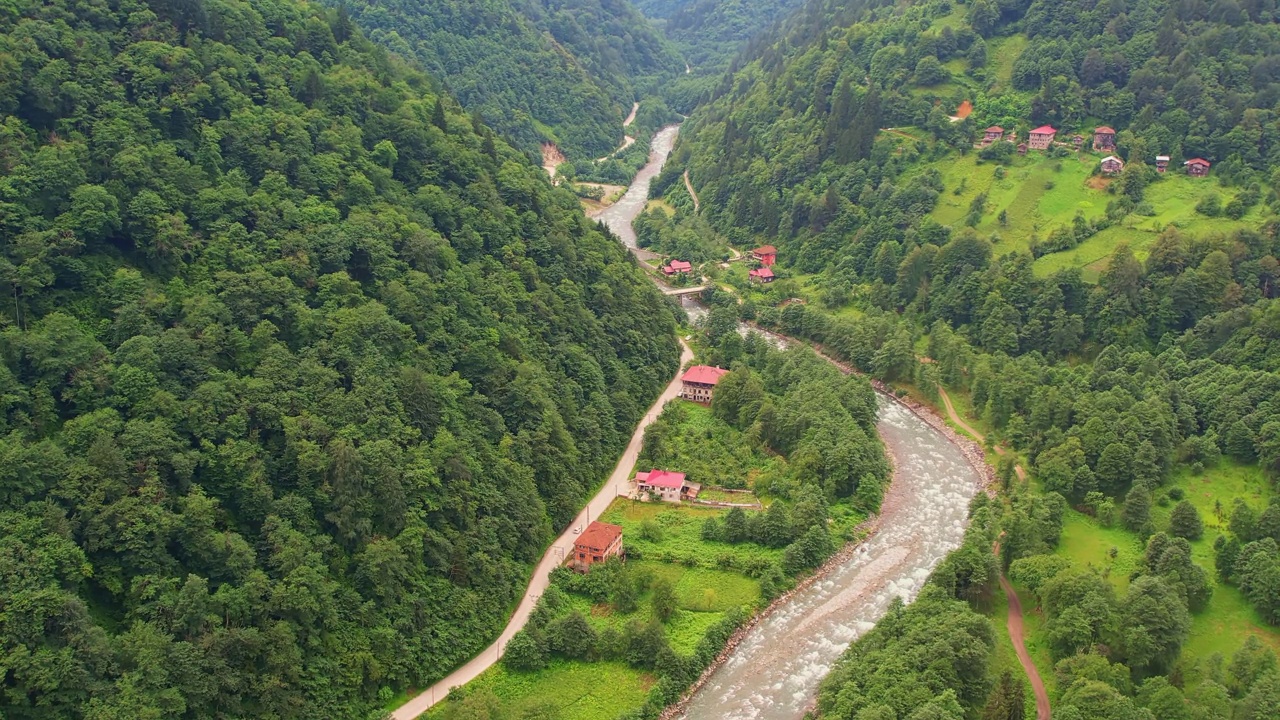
(301, 365)
(559, 71)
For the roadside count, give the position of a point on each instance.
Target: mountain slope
(1173, 79)
(299, 367)
(562, 71)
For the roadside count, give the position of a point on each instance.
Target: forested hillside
(802, 117)
(300, 365)
(560, 71)
(1115, 332)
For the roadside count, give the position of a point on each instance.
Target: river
(774, 673)
(619, 215)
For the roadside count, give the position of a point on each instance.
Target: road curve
(617, 484)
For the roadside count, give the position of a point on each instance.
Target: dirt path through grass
(955, 418)
(1017, 636)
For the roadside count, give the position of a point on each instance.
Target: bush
(526, 651)
(1210, 205)
(572, 637)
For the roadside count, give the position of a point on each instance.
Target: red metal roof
(598, 535)
(662, 478)
(1044, 130)
(1105, 130)
(766, 250)
(704, 374)
(995, 128)
(1198, 161)
(680, 266)
(763, 272)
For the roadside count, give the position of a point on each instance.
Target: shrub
(572, 636)
(1210, 205)
(526, 651)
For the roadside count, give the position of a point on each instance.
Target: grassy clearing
(569, 690)
(1223, 626)
(681, 542)
(1040, 194)
(1001, 54)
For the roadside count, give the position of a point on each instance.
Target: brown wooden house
(1104, 139)
(1197, 167)
(1162, 163)
(699, 382)
(599, 542)
(1112, 165)
(995, 133)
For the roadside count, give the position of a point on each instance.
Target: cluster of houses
(601, 541)
(1104, 140)
(764, 257)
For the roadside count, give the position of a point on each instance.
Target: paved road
(619, 483)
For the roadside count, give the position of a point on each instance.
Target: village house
(599, 542)
(1162, 163)
(699, 382)
(761, 275)
(666, 485)
(995, 133)
(677, 267)
(1077, 141)
(1041, 138)
(1104, 139)
(1197, 167)
(1112, 165)
(765, 255)
(1022, 148)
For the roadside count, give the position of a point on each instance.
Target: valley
(640, 360)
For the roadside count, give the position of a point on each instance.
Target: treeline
(301, 365)
(564, 72)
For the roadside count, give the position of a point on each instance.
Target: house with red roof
(599, 542)
(699, 382)
(761, 275)
(677, 267)
(995, 133)
(666, 485)
(765, 255)
(1042, 137)
(1197, 167)
(1104, 139)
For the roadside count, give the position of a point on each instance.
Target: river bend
(773, 674)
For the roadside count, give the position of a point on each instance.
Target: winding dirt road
(1014, 622)
(1017, 636)
(619, 483)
